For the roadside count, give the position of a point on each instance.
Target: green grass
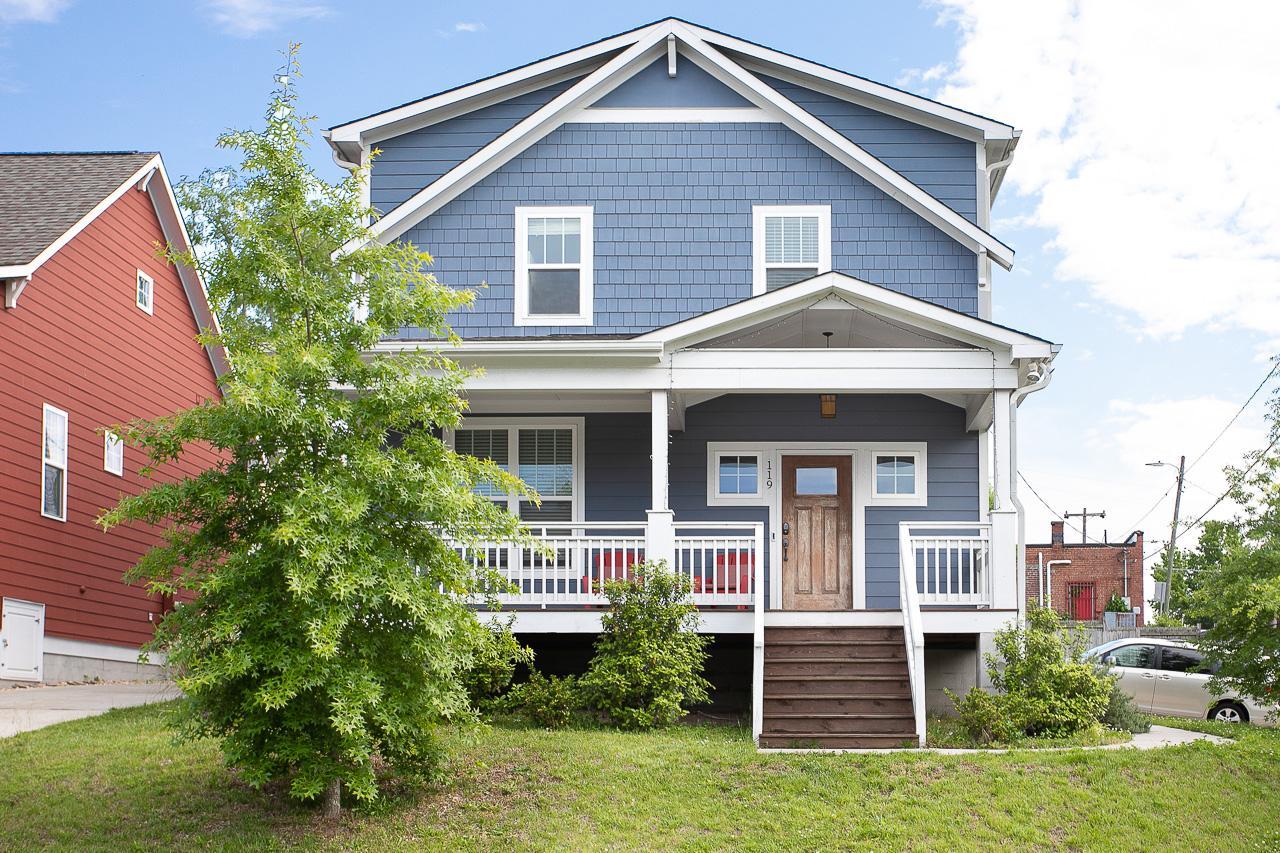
(946, 732)
(118, 782)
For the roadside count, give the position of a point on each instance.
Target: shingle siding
(617, 472)
(942, 165)
(414, 160)
(672, 209)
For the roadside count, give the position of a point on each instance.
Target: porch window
(547, 454)
(735, 476)
(789, 244)
(53, 474)
(899, 476)
(553, 269)
(145, 294)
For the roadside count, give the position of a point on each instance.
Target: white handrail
(757, 634)
(912, 629)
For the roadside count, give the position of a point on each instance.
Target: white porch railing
(912, 626)
(720, 559)
(949, 562)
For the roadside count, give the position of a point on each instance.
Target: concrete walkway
(29, 708)
(1159, 736)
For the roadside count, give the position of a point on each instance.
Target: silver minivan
(1171, 678)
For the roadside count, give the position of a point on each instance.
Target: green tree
(1238, 588)
(1216, 538)
(324, 626)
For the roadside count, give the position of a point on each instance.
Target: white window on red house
(53, 482)
(113, 454)
(145, 295)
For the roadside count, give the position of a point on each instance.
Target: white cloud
(40, 11)
(468, 26)
(1149, 146)
(251, 17)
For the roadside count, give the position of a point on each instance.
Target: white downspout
(1049, 567)
(1040, 576)
(1046, 376)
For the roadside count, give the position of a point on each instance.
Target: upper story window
(145, 295)
(553, 270)
(789, 244)
(113, 454)
(53, 473)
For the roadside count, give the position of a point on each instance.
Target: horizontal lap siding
(411, 161)
(943, 165)
(672, 206)
(78, 342)
(617, 462)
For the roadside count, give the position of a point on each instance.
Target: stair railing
(912, 627)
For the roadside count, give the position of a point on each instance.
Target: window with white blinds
(553, 266)
(790, 245)
(547, 456)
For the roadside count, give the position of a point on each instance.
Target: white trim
(99, 651)
(513, 426)
(760, 266)
(66, 453)
(525, 133)
(609, 347)
(919, 453)
(683, 115)
(716, 449)
(852, 155)
(578, 621)
(150, 304)
(890, 303)
(585, 266)
(112, 446)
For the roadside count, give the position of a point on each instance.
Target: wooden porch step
(828, 740)
(851, 667)
(807, 704)
(847, 633)
(841, 650)
(843, 724)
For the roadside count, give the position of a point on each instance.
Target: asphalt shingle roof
(43, 195)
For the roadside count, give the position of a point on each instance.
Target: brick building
(1077, 579)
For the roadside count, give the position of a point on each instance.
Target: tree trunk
(333, 800)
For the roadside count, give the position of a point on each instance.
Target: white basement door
(21, 640)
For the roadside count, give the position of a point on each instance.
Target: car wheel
(1229, 712)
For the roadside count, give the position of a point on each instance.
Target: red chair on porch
(733, 575)
(614, 564)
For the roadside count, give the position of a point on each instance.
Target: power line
(1052, 511)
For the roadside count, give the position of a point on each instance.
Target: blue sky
(1147, 250)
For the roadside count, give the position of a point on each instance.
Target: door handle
(1148, 675)
(1164, 678)
(785, 543)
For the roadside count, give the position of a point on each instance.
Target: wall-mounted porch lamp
(827, 405)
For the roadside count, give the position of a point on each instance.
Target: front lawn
(947, 733)
(118, 782)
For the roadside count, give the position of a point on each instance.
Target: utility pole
(1173, 537)
(1084, 515)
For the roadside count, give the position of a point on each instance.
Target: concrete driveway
(25, 709)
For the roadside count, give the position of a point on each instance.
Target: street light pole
(1173, 538)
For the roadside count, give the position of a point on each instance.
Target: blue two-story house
(734, 312)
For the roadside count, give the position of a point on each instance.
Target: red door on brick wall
(1080, 601)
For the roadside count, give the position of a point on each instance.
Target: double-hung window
(544, 452)
(553, 269)
(145, 292)
(53, 473)
(789, 244)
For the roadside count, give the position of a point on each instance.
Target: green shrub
(1115, 604)
(1122, 714)
(1041, 688)
(649, 657)
(495, 654)
(547, 700)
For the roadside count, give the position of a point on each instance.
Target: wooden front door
(817, 533)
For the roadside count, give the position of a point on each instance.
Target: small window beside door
(898, 476)
(735, 477)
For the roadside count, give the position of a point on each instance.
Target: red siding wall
(78, 342)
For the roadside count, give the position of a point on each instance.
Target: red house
(96, 329)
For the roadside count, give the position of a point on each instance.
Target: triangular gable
(835, 290)
(653, 86)
(627, 64)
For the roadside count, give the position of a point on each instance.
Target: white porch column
(660, 535)
(1004, 518)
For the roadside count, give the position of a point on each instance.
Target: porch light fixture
(827, 405)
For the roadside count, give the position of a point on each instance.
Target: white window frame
(44, 460)
(150, 305)
(759, 213)
(717, 449)
(513, 427)
(585, 265)
(920, 457)
(112, 454)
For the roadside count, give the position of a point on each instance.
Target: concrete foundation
(952, 662)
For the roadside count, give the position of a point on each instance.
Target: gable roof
(642, 47)
(44, 195)
(49, 198)
(919, 313)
